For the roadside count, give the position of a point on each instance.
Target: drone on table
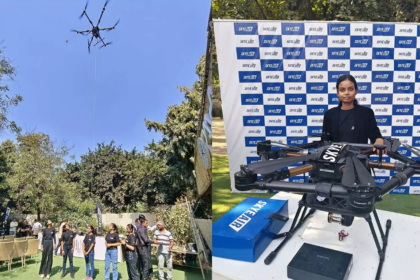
(340, 181)
(95, 31)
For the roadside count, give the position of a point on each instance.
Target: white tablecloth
(402, 253)
(100, 248)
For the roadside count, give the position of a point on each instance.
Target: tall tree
(37, 182)
(7, 74)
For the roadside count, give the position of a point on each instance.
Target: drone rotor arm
(397, 180)
(270, 166)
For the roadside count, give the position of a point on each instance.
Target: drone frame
(334, 193)
(95, 31)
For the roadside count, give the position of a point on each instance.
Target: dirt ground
(218, 137)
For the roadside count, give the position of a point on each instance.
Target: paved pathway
(218, 137)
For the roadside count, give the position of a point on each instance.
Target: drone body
(340, 181)
(95, 31)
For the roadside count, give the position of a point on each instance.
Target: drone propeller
(412, 149)
(113, 26)
(282, 145)
(106, 3)
(269, 166)
(354, 167)
(106, 44)
(87, 2)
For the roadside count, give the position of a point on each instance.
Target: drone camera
(343, 220)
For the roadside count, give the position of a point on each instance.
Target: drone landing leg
(289, 234)
(381, 251)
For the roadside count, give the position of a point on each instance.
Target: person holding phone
(131, 256)
(112, 241)
(67, 241)
(89, 252)
(48, 245)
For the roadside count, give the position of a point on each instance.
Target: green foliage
(7, 73)
(177, 221)
(79, 214)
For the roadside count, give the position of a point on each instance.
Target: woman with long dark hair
(48, 245)
(130, 255)
(112, 241)
(350, 122)
(89, 252)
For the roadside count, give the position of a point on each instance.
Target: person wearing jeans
(164, 238)
(89, 252)
(112, 241)
(67, 241)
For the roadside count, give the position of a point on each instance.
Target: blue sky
(156, 46)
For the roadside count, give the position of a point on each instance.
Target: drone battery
(246, 231)
(319, 263)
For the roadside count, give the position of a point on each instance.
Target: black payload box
(319, 263)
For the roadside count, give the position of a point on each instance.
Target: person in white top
(13, 226)
(36, 228)
(165, 241)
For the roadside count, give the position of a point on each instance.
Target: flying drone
(95, 31)
(339, 183)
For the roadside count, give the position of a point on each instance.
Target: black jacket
(365, 127)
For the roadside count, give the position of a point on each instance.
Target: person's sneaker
(62, 275)
(86, 278)
(72, 275)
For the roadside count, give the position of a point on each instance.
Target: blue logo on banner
(402, 109)
(271, 65)
(314, 130)
(415, 181)
(416, 98)
(416, 121)
(275, 131)
(405, 65)
(382, 76)
(381, 98)
(405, 42)
(296, 121)
(274, 110)
(402, 131)
(246, 28)
(252, 99)
(317, 65)
(384, 120)
(338, 29)
(383, 30)
(333, 76)
(273, 87)
(294, 77)
(418, 76)
(250, 76)
(270, 41)
(298, 179)
(339, 53)
(253, 120)
(293, 53)
(384, 159)
(316, 41)
(317, 87)
(250, 160)
(364, 88)
(404, 87)
(361, 41)
(295, 141)
(252, 141)
(295, 99)
(400, 190)
(416, 141)
(248, 53)
(360, 65)
(380, 180)
(382, 53)
(292, 28)
(333, 99)
(404, 152)
(317, 109)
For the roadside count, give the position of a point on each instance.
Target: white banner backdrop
(100, 248)
(277, 80)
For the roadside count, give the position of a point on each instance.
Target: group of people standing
(138, 248)
(20, 229)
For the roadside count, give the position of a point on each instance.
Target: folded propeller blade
(269, 166)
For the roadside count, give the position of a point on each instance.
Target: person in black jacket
(130, 255)
(47, 248)
(143, 243)
(350, 122)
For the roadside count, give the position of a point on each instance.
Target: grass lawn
(31, 270)
(224, 200)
